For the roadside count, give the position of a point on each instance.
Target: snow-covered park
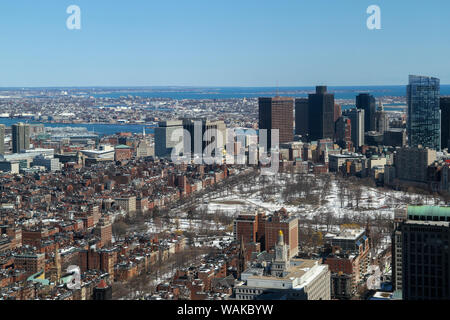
(372, 201)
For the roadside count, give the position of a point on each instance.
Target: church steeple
(241, 258)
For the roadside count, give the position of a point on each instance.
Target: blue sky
(222, 43)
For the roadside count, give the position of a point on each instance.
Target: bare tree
(357, 193)
(119, 229)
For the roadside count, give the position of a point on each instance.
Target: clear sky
(222, 42)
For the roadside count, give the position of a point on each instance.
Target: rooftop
(428, 211)
(349, 234)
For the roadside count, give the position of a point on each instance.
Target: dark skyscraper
(2, 139)
(203, 133)
(277, 113)
(367, 102)
(163, 134)
(445, 121)
(321, 114)
(301, 116)
(421, 256)
(20, 137)
(424, 117)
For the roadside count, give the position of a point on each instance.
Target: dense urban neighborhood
(123, 210)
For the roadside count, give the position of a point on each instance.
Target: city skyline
(236, 153)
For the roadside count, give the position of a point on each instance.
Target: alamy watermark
(374, 20)
(73, 22)
(74, 282)
(214, 146)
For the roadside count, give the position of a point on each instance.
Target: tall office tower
(2, 139)
(381, 121)
(421, 259)
(424, 116)
(196, 128)
(211, 136)
(445, 122)
(277, 113)
(367, 102)
(356, 117)
(20, 137)
(204, 133)
(337, 112)
(165, 140)
(301, 117)
(321, 114)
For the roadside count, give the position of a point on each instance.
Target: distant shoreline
(80, 123)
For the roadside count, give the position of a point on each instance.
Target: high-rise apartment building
(20, 137)
(367, 103)
(424, 117)
(277, 114)
(321, 114)
(445, 122)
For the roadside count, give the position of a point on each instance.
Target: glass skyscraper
(367, 102)
(424, 117)
(445, 122)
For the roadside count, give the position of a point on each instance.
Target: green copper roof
(433, 211)
(33, 278)
(122, 146)
(66, 279)
(397, 295)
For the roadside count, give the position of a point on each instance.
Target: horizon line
(193, 86)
